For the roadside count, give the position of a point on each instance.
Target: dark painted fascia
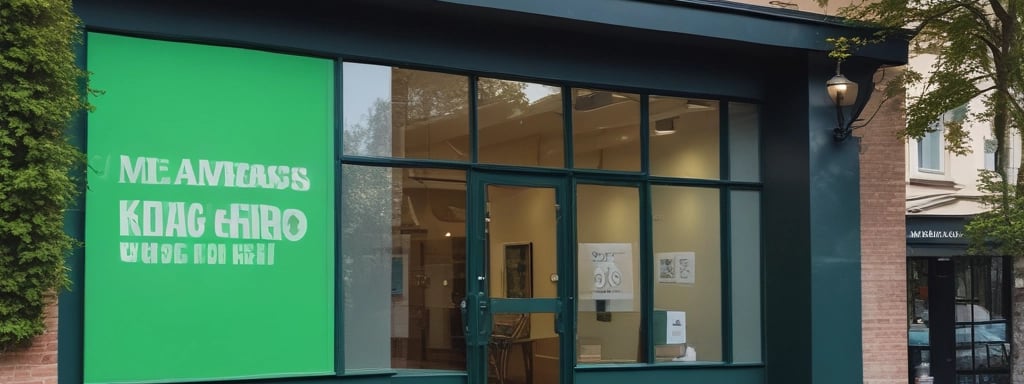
(714, 19)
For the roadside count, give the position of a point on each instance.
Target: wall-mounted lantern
(843, 93)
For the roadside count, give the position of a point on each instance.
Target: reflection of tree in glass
(366, 208)
(372, 135)
(495, 90)
(430, 94)
(372, 196)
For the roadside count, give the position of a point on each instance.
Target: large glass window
(605, 130)
(744, 142)
(404, 113)
(608, 231)
(929, 150)
(520, 123)
(745, 265)
(688, 283)
(684, 137)
(404, 253)
(404, 230)
(982, 346)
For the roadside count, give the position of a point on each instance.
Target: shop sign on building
(209, 213)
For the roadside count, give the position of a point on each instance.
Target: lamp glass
(842, 91)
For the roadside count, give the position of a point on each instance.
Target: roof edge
(706, 18)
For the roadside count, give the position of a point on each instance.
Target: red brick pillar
(36, 364)
(883, 241)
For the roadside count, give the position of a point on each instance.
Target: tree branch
(999, 10)
(1017, 106)
(991, 45)
(980, 78)
(983, 18)
(982, 91)
(881, 103)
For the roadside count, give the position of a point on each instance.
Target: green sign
(209, 213)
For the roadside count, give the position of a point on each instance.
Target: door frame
(478, 322)
(942, 325)
(942, 314)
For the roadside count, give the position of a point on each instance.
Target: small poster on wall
(675, 327)
(676, 267)
(612, 266)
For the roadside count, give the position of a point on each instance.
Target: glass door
(515, 307)
(931, 310)
(958, 319)
(981, 302)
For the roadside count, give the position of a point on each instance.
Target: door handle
(463, 308)
(484, 327)
(478, 302)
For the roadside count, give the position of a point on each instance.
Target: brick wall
(883, 243)
(38, 363)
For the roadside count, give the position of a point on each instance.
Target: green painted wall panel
(786, 227)
(209, 213)
(673, 374)
(835, 284)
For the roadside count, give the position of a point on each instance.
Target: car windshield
(917, 335)
(987, 332)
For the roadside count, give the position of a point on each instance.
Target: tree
(39, 94)
(978, 48)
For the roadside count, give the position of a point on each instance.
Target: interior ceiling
(503, 122)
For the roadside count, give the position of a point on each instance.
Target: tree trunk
(1010, 28)
(1017, 330)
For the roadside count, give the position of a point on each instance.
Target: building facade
(464, 191)
(958, 303)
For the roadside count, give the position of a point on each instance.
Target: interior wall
(607, 214)
(525, 215)
(689, 220)
(693, 151)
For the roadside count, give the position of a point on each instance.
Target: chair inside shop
(508, 328)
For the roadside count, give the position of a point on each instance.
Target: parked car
(979, 346)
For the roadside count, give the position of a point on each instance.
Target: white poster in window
(612, 266)
(676, 267)
(675, 327)
(686, 270)
(666, 267)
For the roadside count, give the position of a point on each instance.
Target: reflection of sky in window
(536, 92)
(362, 85)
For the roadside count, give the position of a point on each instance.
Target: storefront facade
(463, 192)
(958, 304)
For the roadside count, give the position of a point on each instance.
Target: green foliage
(843, 47)
(1000, 229)
(39, 94)
(976, 46)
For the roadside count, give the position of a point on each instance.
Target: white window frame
(942, 172)
(936, 143)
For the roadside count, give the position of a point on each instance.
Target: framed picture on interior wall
(518, 270)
